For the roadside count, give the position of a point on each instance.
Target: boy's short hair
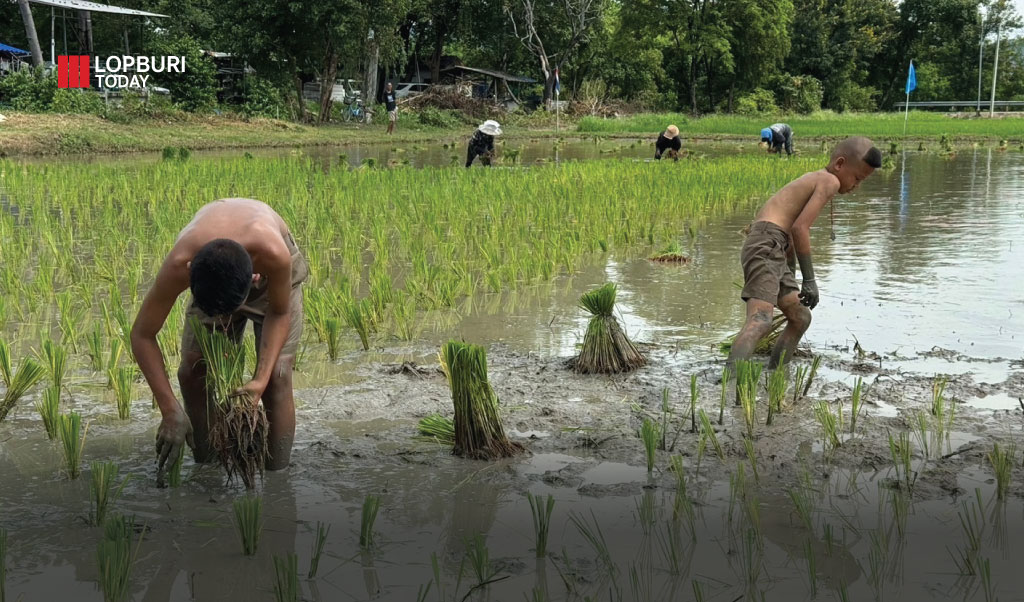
(858, 148)
(220, 277)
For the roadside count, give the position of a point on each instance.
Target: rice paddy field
(920, 124)
(890, 468)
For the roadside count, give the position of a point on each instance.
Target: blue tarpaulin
(12, 50)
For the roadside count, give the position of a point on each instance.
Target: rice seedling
(18, 383)
(541, 515)
(798, 384)
(123, 379)
(438, 428)
(48, 407)
(942, 410)
(592, 533)
(356, 314)
(174, 472)
(641, 581)
(332, 328)
(899, 449)
(829, 426)
(855, 404)
(899, 501)
(972, 524)
(748, 445)
(1002, 459)
(70, 319)
(649, 436)
(478, 430)
(238, 428)
(810, 376)
(113, 359)
(72, 439)
(286, 578)
(987, 587)
(371, 505)
(682, 506)
(812, 571)
(94, 345)
(778, 382)
(693, 403)
(55, 360)
(708, 432)
(248, 512)
(115, 557)
(479, 559)
(606, 348)
(318, 548)
(748, 375)
(726, 375)
(767, 342)
(101, 489)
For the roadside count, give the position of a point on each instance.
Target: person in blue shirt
(778, 136)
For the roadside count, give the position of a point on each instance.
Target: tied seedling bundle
(606, 349)
(671, 253)
(238, 429)
(767, 342)
(478, 431)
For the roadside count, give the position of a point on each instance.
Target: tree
(552, 30)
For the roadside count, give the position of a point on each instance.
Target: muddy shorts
(255, 309)
(766, 275)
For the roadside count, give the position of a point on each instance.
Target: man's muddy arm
(154, 311)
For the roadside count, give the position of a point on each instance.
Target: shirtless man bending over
(782, 231)
(241, 263)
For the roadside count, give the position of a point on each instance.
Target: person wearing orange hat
(668, 141)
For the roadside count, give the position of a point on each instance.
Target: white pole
(556, 109)
(906, 114)
(981, 55)
(995, 71)
(53, 44)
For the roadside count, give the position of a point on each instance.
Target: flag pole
(906, 114)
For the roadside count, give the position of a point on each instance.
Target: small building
(486, 83)
(12, 59)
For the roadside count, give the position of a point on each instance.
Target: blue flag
(911, 79)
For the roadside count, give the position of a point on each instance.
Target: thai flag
(558, 88)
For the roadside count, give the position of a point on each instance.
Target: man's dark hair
(220, 277)
(873, 157)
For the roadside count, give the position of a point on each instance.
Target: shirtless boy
(782, 230)
(241, 263)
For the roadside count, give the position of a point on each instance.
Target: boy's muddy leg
(798, 320)
(759, 322)
(279, 402)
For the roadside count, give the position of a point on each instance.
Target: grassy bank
(820, 125)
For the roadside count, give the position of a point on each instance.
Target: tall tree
(552, 30)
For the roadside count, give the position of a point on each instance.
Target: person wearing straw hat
(668, 141)
(777, 136)
(482, 143)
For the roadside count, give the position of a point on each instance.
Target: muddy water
(921, 274)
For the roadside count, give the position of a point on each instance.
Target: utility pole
(995, 71)
(30, 33)
(981, 54)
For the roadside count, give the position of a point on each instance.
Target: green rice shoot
(72, 438)
(540, 512)
(248, 512)
(318, 548)
(48, 407)
(123, 380)
(18, 383)
(55, 359)
(286, 578)
(102, 492)
(437, 428)
(115, 557)
(649, 436)
(371, 505)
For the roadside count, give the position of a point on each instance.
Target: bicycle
(353, 109)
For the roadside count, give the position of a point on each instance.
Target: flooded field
(919, 286)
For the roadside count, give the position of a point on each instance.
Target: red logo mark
(73, 71)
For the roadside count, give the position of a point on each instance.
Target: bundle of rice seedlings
(174, 473)
(438, 428)
(671, 253)
(115, 558)
(478, 430)
(286, 571)
(55, 360)
(606, 349)
(767, 342)
(371, 504)
(238, 429)
(18, 383)
(123, 378)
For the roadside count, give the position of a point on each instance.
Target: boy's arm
(825, 188)
(275, 323)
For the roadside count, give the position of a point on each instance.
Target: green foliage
(757, 102)
(261, 98)
(439, 118)
(29, 90)
(68, 100)
(196, 88)
(800, 94)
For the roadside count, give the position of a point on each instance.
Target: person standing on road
(391, 104)
(778, 136)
